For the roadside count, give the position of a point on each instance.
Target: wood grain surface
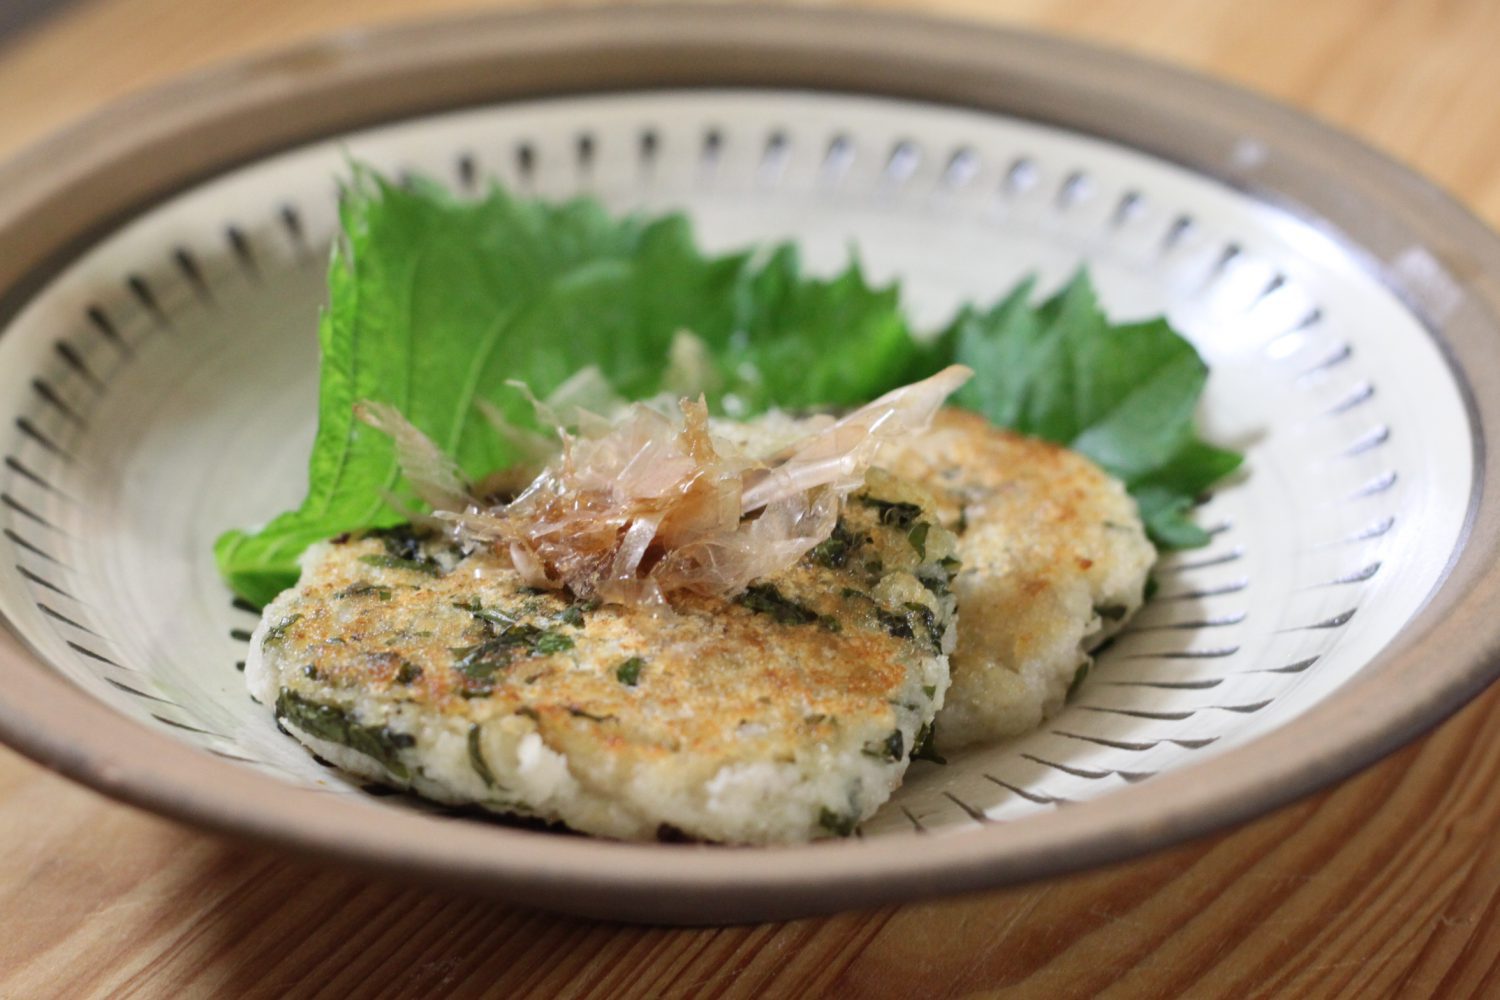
(1388, 885)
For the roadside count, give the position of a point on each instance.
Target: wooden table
(1388, 884)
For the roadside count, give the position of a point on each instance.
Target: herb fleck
(766, 599)
(401, 542)
(1078, 678)
(839, 824)
(835, 550)
(892, 748)
(938, 584)
(922, 746)
(407, 672)
(490, 616)
(277, 632)
(331, 723)
(481, 661)
(476, 758)
(925, 617)
(896, 514)
(494, 617)
(900, 625)
(573, 613)
(364, 588)
(386, 561)
(551, 642)
(629, 672)
(917, 536)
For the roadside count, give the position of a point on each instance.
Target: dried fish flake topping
(651, 504)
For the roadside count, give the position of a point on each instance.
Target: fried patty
(788, 713)
(1055, 560)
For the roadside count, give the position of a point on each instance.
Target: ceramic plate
(158, 385)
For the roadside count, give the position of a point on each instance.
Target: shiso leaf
(435, 303)
(1123, 395)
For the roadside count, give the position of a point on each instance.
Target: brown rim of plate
(62, 195)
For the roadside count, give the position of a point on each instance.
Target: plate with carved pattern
(158, 378)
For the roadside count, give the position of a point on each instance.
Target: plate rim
(59, 196)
